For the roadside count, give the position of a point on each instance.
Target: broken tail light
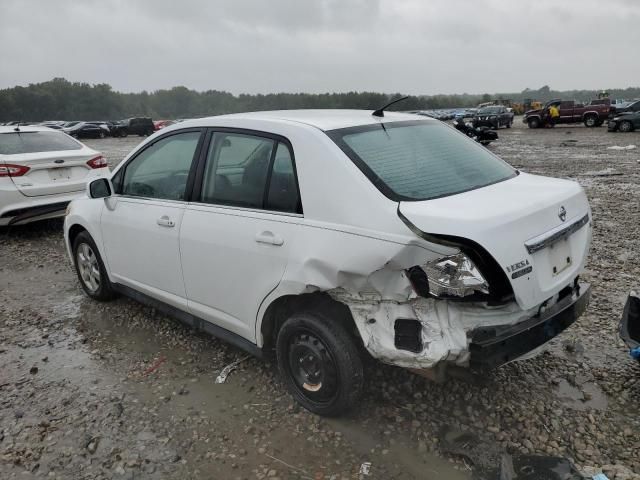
(97, 162)
(451, 276)
(10, 170)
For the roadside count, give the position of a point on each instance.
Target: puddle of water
(423, 465)
(587, 397)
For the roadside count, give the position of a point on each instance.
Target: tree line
(60, 99)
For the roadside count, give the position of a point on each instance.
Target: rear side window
(31, 142)
(420, 160)
(161, 170)
(250, 171)
(283, 189)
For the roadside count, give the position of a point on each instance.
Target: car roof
(329, 119)
(25, 129)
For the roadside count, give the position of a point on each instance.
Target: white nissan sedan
(41, 171)
(316, 235)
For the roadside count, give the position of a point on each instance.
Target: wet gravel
(116, 390)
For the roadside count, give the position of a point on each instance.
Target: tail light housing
(97, 162)
(10, 170)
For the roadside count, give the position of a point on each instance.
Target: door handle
(269, 238)
(165, 221)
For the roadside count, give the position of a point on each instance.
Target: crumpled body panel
(445, 325)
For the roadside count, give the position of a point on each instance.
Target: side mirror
(100, 188)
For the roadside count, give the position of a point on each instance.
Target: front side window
(32, 142)
(420, 160)
(161, 170)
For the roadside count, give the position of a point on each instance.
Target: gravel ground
(116, 390)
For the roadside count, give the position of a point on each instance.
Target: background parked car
(85, 130)
(103, 125)
(625, 122)
(160, 124)
(142, 126)
(592, 115)
(41, 171)
(633, 106)
(494, 116)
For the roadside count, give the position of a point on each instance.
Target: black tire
(533, 122)
(312, 347)
(101, 135)
(590, 121)
(509, 123)
(625, 126)
(124, 133)
(100, 289)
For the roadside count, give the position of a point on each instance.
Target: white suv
(317, 235)
(41, 171)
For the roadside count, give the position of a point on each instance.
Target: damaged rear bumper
(630, 323)
(427, 333)
(494, 346)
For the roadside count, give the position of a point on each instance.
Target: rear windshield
(31, 142)
(420, 160)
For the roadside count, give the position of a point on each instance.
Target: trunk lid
(524, 223)
(52, 173)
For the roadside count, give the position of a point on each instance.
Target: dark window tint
(32, 142)
(420, 160)
(161, 170)
(283, 190)
(236, 171)
(489, 111)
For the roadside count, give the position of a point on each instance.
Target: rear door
(56, 163)
(235, 237)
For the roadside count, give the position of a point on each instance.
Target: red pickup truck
(592, 115)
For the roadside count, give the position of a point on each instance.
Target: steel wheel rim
(88, 267)
(312, 367)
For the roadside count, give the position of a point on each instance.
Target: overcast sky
(263, 46)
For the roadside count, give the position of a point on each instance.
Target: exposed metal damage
(377, 301)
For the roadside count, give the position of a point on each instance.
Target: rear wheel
(533, 122)
(590, 121)
(509, 123)
(319, 363)
(625, 126)
(101, 135)
(90, 268)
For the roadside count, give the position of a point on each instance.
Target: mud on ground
(115, 390)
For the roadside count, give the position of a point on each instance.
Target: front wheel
(533, 122)
(509, 123)
(625, 126)
(90, 268)
(319, 363)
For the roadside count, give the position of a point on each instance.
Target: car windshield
(30, 142)
(420, 160)
(489, 110)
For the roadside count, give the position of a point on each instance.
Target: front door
(141, 223)
(236, 237)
